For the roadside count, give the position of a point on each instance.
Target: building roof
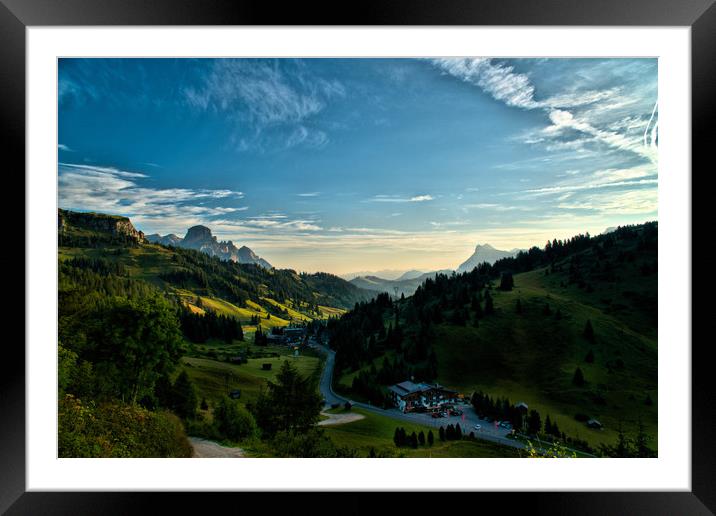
(408, 387)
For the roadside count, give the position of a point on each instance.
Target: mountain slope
(484, 253)
(405, 287)
(190, 273)
(412, 274)
(528, 346)
(201, 239)
(169, 240)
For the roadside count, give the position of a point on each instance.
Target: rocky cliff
(99, 223)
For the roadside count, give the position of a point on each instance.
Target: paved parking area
(467, 421)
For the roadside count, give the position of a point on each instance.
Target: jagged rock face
(200, 238)
(246, 255)
(112, 224)
(484, 253)
(169, 240)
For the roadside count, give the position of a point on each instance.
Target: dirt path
(340, 419)
(210, 449)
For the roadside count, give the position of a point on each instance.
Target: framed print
(298, 253)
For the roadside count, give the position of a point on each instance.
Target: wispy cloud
(515, 89)
(309, 194)
(63, 147)
(635, 202)
(637, 176)
(111, 190)
(268, 96)
(399, 199)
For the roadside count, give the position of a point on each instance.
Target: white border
(671, 471)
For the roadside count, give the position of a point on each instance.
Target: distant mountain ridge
(196, 268)
(389, 274)
(201, 239)
(410, 280)
(405, 287)
(485, 253)
(412, 274)
(170, 239)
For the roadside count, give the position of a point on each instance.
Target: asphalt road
(467, 421)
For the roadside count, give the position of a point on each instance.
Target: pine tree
(421, 438)
(555, 429)
(589, 331)
(489, 308)
(184, 397)
(441, 433)
(477, 307)
(413, 440)
(431, 439)
(449, 433)
(578, 378)
(506, 281)
(534, 423)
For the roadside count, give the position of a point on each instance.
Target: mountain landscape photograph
(357, 258)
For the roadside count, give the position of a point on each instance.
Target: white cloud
(516, 90)
(265, 94)
(399, 199)
(63, 147)
(635, 202)
(309, 194)
(111, 190)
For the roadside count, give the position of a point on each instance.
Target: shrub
(233, 421)
(118, 430)
(311, 443)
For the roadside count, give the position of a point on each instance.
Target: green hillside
(528, 345)
(165, 335)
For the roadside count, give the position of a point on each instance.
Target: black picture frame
(699, 15)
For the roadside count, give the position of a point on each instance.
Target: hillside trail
(339, 419)
(209, 449)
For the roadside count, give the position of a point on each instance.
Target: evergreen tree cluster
(451, 432)
(238, 282)
(500, 409)
(413, 440)
(199, 328)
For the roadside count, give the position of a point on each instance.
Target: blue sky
(362, 164)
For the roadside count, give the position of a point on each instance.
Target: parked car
(506, 424)
(456, 412)
(435, 415)
(477, 427)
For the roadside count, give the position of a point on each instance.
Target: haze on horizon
(343, 165)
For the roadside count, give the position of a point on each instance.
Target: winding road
(468, 420)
